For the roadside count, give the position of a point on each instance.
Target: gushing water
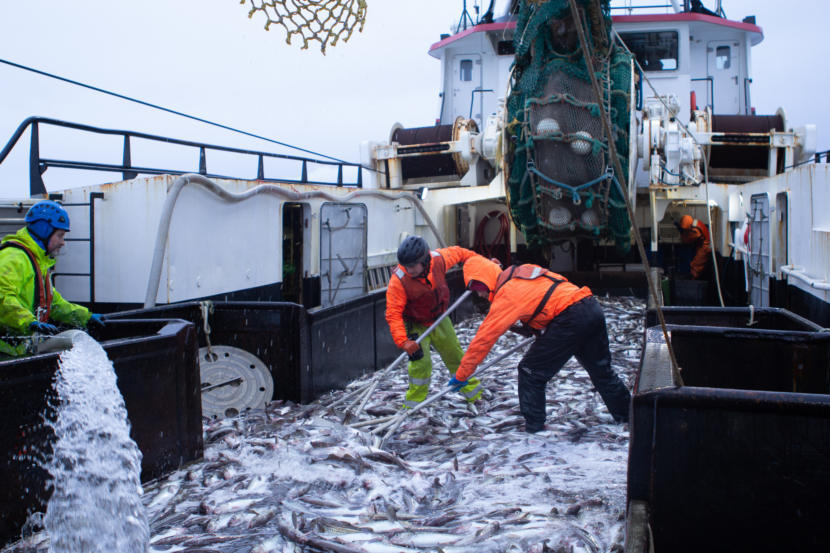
(96, 502)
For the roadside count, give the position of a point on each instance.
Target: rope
(206, 308)
(168, 110)
(606, 123)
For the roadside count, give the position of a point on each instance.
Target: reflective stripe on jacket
(421, 300)
(17, 288)
(517, 300)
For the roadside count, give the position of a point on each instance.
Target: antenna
(465, 17)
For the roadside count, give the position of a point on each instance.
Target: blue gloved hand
(456, 384)
(95, 321)
(43, 328)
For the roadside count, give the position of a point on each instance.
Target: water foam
(96, 500)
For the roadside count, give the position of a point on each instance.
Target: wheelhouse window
(723, 57)
(466, 70)
(655, 51)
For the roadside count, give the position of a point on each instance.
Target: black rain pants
(578, 331)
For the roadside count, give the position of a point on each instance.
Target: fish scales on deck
(294, 478)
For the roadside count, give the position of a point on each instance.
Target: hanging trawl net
(326, 21)
(561, 180)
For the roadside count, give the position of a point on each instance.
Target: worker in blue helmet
(29, 304)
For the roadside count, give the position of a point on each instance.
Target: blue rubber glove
(456, 384)
(43, 328)
(95, 321)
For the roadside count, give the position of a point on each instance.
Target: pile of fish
(454, 478)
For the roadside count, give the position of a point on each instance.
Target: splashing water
(96, 502)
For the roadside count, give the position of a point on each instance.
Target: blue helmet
(44, 218)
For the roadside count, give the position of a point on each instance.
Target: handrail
(38, 165)
(481, 91)
(630, 9)
(710, 92)
(91, 239)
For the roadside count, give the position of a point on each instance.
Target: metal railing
(710, 91)
(38, 165)
(685, 6)
(630, 6)
(480, 92)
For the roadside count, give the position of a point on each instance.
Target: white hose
(59, 342)
(289, 195)
(800, 274)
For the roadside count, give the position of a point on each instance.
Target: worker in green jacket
(28, 301)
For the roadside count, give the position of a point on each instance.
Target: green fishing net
(561, 180)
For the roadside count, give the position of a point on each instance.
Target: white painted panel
(126, 220)
(215, 246)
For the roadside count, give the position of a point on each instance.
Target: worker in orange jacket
(696, 233)
(569, 320)
(417, 294)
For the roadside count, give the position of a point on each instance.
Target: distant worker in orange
(569, 322)
(417, 294)
(696, 233)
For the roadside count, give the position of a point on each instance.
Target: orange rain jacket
(516, 300)
(696, 233)
(434, 284)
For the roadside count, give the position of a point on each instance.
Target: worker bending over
(569, 322)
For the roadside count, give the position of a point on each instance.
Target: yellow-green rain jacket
(17, 294)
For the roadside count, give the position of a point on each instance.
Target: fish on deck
(292, 477)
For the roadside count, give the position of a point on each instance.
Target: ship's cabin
(680, 53)
(696, 57)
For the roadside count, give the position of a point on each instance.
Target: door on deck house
(342, 252)
(724, 68)
(295, 234)
(466, 87)
(759, 247)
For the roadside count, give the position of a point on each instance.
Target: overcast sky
(206, 58)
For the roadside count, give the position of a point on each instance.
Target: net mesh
(324, 21)
(561, 183)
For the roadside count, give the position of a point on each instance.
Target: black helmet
(412, 250)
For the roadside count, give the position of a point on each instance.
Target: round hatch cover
(233, 381)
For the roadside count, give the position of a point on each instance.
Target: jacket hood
(483, 270)
(23, 237)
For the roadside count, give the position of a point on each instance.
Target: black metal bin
(736, 458)
(156, 366)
